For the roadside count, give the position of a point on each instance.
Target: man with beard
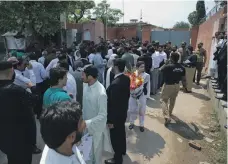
(201, 61)
(60, 130)
(183, 52)
(118, 96)
(95, 114)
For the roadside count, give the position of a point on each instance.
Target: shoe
(131, 126)
(141, 129)
(36, 150)
(110, 161)
(197, 83)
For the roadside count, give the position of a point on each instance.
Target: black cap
(4, 65)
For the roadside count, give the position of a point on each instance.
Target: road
(160, 144)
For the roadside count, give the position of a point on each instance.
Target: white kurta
(138, 107)
(50, 156)
(95, 115)
(71, 86)
(212, 69)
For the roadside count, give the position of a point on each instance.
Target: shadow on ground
(154, 101)
(187, 131)
(200, 96)
(141, 142)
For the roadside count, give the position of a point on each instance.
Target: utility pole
(123, 11)
(106, 22)
(141, 25)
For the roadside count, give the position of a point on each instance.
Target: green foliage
(40, 17)
(77, 9)
(103, 12)
(198, 16)
(192, 18)
(201, 11)
(181, 24)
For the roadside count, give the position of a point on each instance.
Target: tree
(192, 18)
(221, 3)
(181, 24)
(77, 9)
(107, 15)
(201, 11)
(40, 17)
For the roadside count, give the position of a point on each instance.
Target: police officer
(173, 72)
(190, 68)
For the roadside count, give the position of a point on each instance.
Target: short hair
(58, 121)
(62, 56)
(91, 70)
(64, 64)
(175, 57)
(120, 64)
(190, 48)
(32, 56)
(114, 51)
(144, 50)
(139, 63)
(56, 74)
(151, 50)
(20, 61)
(5, 65)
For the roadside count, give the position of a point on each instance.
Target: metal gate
(176, 37)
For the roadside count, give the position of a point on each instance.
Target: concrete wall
(194, 36)
(95, 28)
(205, 31)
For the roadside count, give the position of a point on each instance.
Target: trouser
(160, 80)
(118, 140)
(137, 107)
(96, 155)
(189, 75)
(21, 157)
(168, 98)
(154, 81)
(34, 132)
(40, 89)
(199, 68)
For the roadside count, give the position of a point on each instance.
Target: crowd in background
(59, 74)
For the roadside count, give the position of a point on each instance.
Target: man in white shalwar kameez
(212, 70)
(95, 114)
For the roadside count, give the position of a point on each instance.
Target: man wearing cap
(17, 121)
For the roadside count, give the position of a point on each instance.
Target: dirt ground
(193, 119)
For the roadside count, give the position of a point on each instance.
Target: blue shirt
(54, 95)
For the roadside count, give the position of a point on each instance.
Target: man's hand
(82, 126)
(110, 126)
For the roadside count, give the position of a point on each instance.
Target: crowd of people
(85, 89)
(218, 65)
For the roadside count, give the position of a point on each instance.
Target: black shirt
(173, 73)
(17, 121)
(146, 58)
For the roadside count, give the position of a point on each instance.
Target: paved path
(159, 144)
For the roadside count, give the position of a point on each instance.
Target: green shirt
(53, 95)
